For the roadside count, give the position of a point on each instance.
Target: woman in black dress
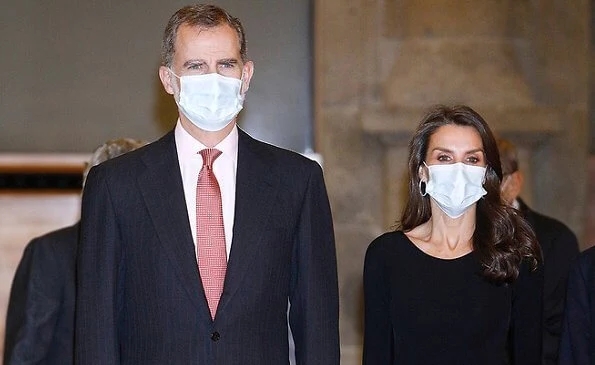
(460, 281)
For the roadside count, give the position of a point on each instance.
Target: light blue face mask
(210, 101)
(455, 187)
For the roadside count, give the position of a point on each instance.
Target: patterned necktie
(210, 235)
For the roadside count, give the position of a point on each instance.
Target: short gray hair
(110, 149)
(203, 16)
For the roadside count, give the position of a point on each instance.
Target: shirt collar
(188, 146)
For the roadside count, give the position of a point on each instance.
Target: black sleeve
(576, 327)
(562, 253)
(34, 305)
(526, 317)
(378, 331)
(314, 298)
(98, 257)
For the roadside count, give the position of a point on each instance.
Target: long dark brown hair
(502, 239)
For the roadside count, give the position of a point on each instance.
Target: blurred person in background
(40, 317)
(559, 248)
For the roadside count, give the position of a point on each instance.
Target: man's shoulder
(57, 246)
(274, 154)
(557, 240)
(546, 223)
(586, 261)
(70, 232)
(67, 236)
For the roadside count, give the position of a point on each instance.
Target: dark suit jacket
(139, 295)
(40, 317)
(577, 346)
(560, 249)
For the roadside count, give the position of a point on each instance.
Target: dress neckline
(421, 252)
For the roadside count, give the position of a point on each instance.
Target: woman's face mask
(455, 187)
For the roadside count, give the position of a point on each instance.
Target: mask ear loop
(422, 188)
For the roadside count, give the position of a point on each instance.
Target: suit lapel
(256, 189)
(163, 192)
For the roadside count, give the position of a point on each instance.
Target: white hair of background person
(110, 149)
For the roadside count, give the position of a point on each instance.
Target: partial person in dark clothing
(559, 248)
(40, 317)
(460, 281)
(577, 345)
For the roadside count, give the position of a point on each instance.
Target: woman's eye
(473, 159)
(443, 158)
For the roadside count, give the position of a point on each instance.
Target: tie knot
(209, 155)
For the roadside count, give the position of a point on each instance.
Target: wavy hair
(502, 239)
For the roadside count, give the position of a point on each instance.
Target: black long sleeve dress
(420, 309)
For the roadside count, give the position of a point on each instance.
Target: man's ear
(247, 72)
(166, 79)
(512, 186)
(517, 183)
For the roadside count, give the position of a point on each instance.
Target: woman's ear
(422, 173)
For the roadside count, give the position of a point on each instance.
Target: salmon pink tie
(210, 235)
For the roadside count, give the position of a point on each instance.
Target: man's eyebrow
(227, 60)
(193, 62)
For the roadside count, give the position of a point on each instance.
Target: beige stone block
(339, 58)
(351, 355)
(559, 167)
(396, 179)
(353, 166)
(478, 71)
(438, 18)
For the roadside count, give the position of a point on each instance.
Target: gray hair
(202, 16)
(110, 149)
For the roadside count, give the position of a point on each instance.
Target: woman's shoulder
(387, 243)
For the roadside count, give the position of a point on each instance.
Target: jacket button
(215, 336)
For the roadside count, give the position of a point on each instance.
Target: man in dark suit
(194, 248)
(558, 245)
(40, 317)
(577, 346)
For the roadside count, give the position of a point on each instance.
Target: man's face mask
(455, 187)
(210, 101)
